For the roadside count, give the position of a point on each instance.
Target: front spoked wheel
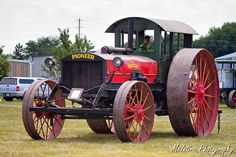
(133, 112)
(42, 125)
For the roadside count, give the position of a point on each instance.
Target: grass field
(76, 139)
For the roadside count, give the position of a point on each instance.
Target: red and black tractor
(120, 89)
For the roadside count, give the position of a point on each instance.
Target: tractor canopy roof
(150, 23)
(167, 37)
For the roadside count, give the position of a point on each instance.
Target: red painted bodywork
(148, 67)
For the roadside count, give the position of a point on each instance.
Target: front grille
(82, 74)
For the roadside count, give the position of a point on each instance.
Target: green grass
(76, 139)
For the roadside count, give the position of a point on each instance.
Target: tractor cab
(167, 38)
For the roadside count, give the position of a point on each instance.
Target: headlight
(49, 62)
(117, 61)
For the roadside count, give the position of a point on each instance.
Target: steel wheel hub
(138, 112)
(200, 93)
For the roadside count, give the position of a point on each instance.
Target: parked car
(15, 87)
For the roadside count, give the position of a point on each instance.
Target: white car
(15, 87)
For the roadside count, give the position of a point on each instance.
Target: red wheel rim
(201, 94)
(42, 125)
(134, 102)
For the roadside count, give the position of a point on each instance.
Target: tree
(42, 46)
(219, 40)
(18, 53)
(67, 47)
(4, 64)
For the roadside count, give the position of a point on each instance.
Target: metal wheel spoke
(207, 105)
(204, 71)
(135, 128)
(50, 128)
(190, 101)
(193, 74)
(43, 89)
(206, 77)
(196, 117)
(130, 96)
(210, 96)
(146, 117)
(191, 91)
(127, 106)
(205, 113)
(35, 119)
(209, 85)
(41, 128)
(193, 122)
(145, 129)
(202, 121)
(147, 108)
(135, 96)
(47, 128)
(197, 68)
(193, 83)
(145, 99)
(129, 127)
(129, 117)
(136, 93)
(34, 115)
(37, 125)
(200, 76)
(141, 94)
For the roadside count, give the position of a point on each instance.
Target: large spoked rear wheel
(100, 126)
(193, 92)
(232, 99)
(133, 112)
(42, 125)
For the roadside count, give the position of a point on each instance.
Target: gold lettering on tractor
(84, 56)
(133, 66)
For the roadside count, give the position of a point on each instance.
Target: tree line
(219, 40)
(55, 46)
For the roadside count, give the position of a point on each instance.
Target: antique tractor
(120, 89)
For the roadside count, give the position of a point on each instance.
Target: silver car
(15, 87)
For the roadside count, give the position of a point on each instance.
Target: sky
(24, 20)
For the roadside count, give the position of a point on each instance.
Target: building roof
(167, 25)
(18, 60)
(231, 56)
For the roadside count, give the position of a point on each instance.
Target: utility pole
(79, 27)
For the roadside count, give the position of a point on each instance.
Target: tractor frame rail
(75, 113)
